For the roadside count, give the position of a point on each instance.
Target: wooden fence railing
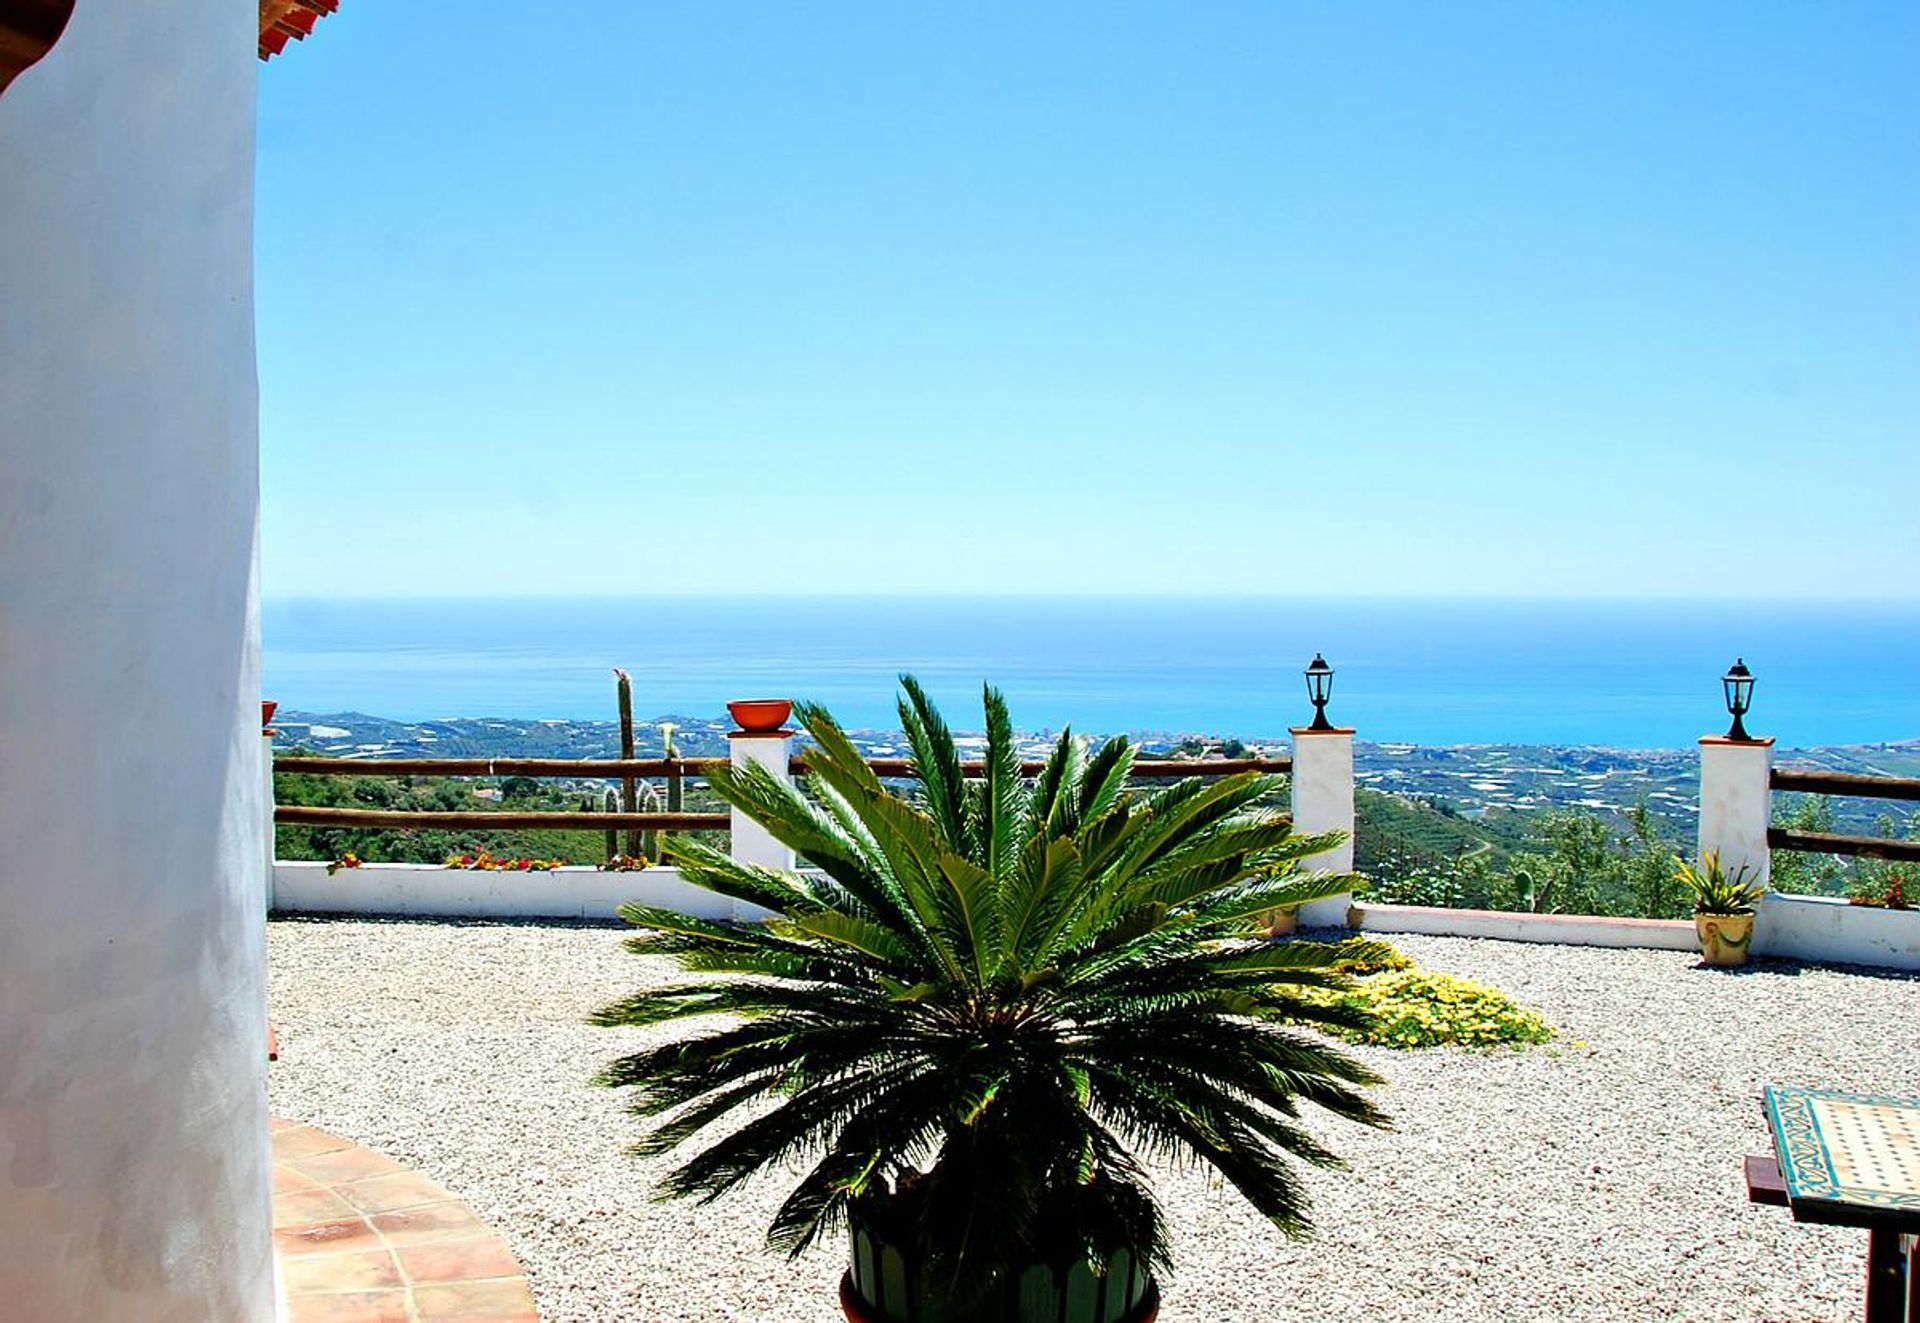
(613, 769)
(1845, 783)
(307, 815)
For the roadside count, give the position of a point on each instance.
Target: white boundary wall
(1507, 926)
(1811, 928)
(1792, 927)
(429, 889)
(1835, 932)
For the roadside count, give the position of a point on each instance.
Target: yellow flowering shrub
(1366, 955)
(1417, 1008)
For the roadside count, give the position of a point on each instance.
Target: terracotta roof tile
(282, 21)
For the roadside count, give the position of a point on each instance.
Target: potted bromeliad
(1723, 908)
(977, 1011)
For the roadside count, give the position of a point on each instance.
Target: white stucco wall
(134, 1177)
(1323, 801)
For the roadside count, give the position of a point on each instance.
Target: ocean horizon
(1612, 672)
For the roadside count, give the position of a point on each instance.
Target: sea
(1616, 673)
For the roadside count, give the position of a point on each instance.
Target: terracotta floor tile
(279, 1123)
(417, 1226)
(350, 1307)
(507, 1300)
(368, 1270)
(303, 1141)
(305, 1207)
(459, 1260)
(362, 1240)
(384, 1194)
(347, 1164)
(326, 1237)
(286, 1180)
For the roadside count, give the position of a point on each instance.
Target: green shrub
(1415, 1008)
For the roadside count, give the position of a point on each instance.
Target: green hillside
(1393, 833)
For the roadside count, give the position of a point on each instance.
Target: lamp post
(1323, 796)
(1738, 682)
(1319, 689)
(1736, 793)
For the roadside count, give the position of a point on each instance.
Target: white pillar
(1736, 804)
(752, 843)
(135, 1182)
(1323, 801)
(269, 837)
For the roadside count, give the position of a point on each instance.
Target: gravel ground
(1595, 1179)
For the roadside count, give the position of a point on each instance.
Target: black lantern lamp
(1319, 688)
(1738, 682)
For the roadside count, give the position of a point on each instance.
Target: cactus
(629, 788)
(676, 783)
(650, 840)
(612, 805)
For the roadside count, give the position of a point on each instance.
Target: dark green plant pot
(880, 1286)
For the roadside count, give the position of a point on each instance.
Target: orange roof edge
(282, 21)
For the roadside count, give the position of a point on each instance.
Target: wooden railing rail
(598, 769)
(1847, 783)
(608, 769)
(291, 815)
(1820, 842)
(302, 815)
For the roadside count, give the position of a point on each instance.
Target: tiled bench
(360, 1239)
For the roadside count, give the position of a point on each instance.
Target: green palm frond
(980, 1005)
(936, 760)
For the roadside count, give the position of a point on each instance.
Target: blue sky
(1273, 297)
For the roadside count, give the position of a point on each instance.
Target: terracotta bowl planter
(760, 716)
(1725, 939)
(1282, 922)
(857, 1312)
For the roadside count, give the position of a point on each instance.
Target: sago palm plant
(981, 1006)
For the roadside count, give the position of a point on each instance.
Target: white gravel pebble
(1598, 1178)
